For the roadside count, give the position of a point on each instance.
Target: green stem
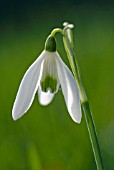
(93, 135)
(84, 101)
(74, 66)
(54, 31)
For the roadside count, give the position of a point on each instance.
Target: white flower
(46, 74)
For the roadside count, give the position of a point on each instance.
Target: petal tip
(77, 117)
(77, 120)
(14, 117)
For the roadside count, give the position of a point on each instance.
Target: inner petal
(49, 77)
(45, 97)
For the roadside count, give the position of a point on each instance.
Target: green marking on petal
(49, 83)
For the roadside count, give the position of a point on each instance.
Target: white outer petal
(45, 98)
(27, 89)
(70, 90)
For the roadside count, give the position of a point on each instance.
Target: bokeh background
(46, 138)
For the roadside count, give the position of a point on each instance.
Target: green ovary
(49, 83)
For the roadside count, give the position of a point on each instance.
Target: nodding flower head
(46, 75)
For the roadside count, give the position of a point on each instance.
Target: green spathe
(49, 83)
(50, 44)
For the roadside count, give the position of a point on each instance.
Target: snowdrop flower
(46, 75)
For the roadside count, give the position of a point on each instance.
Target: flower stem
(93, 135)
(54, 31)
(84, 101)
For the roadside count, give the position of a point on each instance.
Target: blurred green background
(46, 138)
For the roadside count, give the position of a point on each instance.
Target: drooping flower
(46, 75)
